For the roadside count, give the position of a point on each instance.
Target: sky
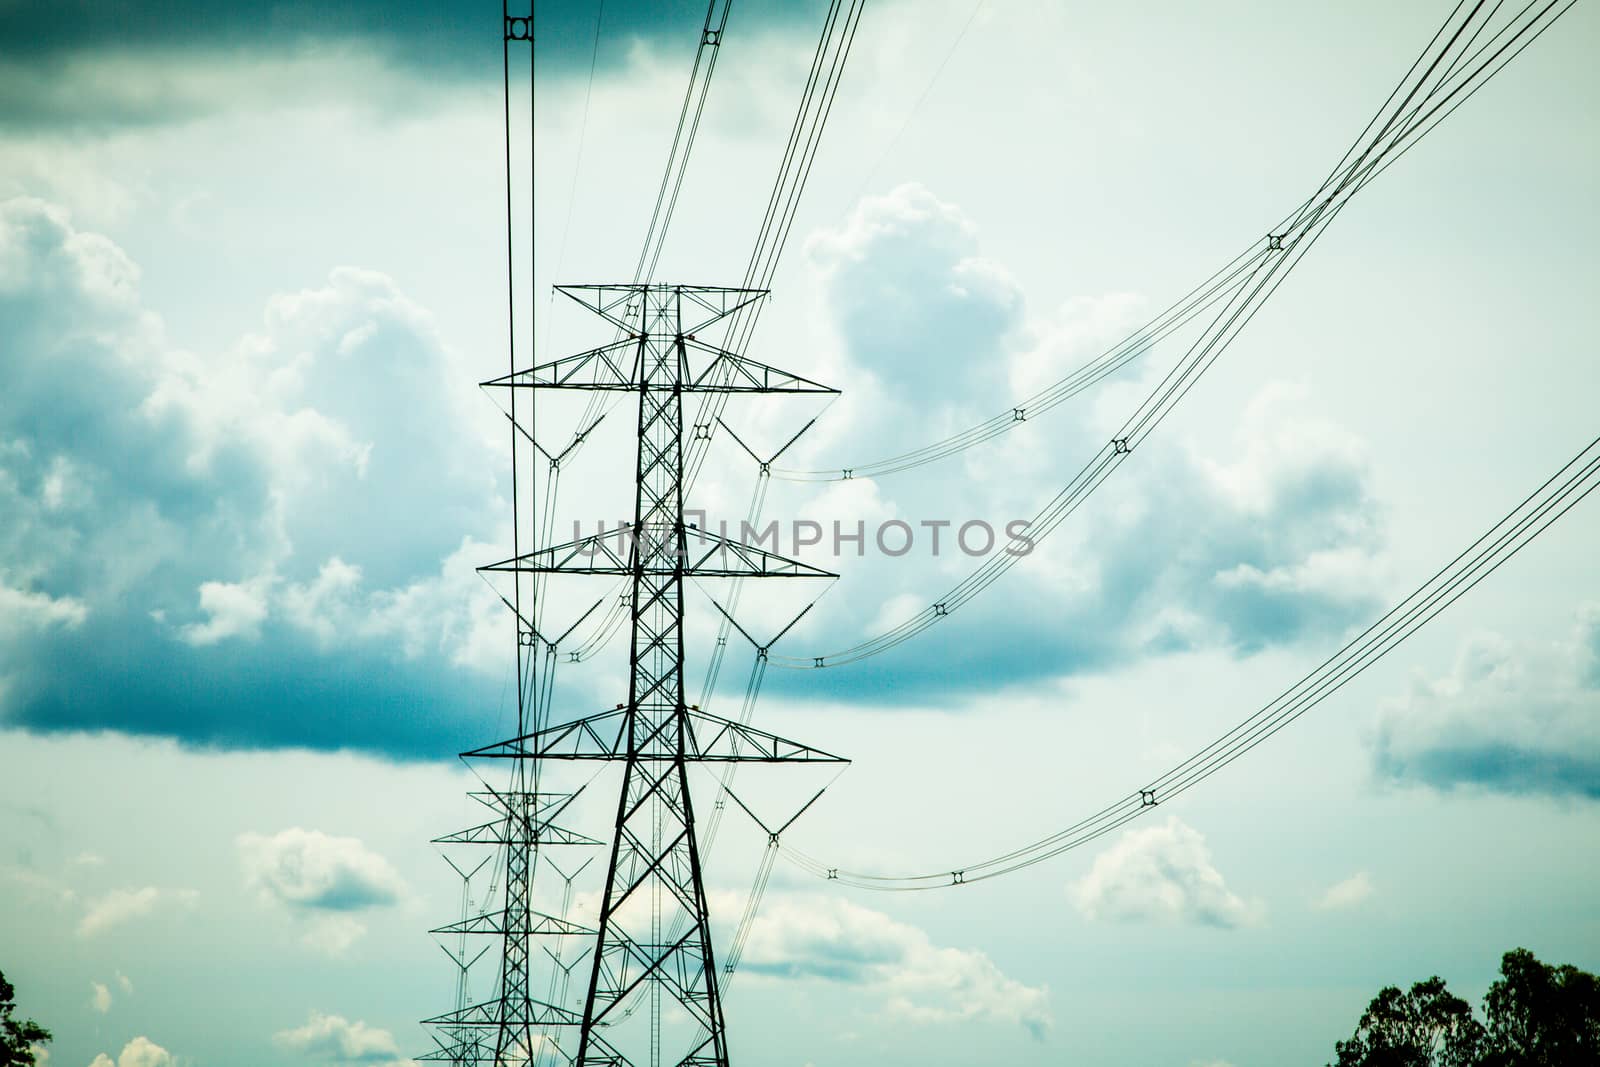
(252, 270)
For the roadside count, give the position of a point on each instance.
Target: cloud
(123, 905)
(38, 883)
(904, 280)
(325, 882)
(1507, 719)
(140, 1052)
(332, 935)
(234, 609)
(22, 611)
(1588, 646)
(829, 939)
(378, 54)
(231, 518)
(333, 1037)
(1269, 539)
(1159, 874)
(1349, 893)
(99, 997)
(309, 870)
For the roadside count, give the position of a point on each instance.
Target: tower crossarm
(707, 739)
(460, 1047)
(496, 833)
(730, 372)
(611, 366)
(704, 555)
(660, 346)
(624, 304)
(494, 922)
(668, 347)
(618, 367)
(539, 807)
(490, 1014)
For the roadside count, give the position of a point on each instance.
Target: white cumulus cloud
(332, 935)
(309, 869)
(1346, 894)
(325, 882)
(99, 997)
(140, 1052)
(806, 937)
(1506, 718)
(233, 609)
(21, 610)
(1159, 874)
(220, 520)
(334, 1037)
(121, 905)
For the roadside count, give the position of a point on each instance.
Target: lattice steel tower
(654, 937)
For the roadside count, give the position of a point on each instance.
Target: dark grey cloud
(1265, 539)
(1505, 719)
(231, 551)
(907, 290)
(48, 51)
(1193, 569)
(1507, 765)
(262, 549)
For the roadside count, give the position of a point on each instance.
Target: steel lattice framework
(653, 939)
(654, 935)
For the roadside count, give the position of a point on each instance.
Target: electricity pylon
(653, 940)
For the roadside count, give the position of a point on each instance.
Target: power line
(1421, 105)
(1562, 491)
(1354, 170)
(794, 171)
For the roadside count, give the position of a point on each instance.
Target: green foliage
(1542, 1016)
(17, 1037)
(1427, 1027)
(1536, 1015)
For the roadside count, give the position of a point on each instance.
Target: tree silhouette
(1537, 1016)
(1542, 1016)
(17, 1037)
(1426, 1027)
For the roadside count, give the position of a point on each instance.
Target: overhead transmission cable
(530, 680)
(794, 170)
(1412, 111)
(922, 98)
(1520, 30)
(689, 115)
(1224, 285)
(577, 160)
(822, 82)
(805, 133)
(690, 111)
(1576, 479)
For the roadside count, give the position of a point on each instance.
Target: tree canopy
(1535, 1015)
(17, 1036)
